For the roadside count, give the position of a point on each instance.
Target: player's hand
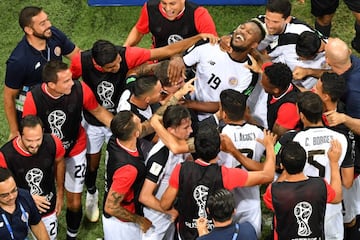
(144, 223)
(201, 225)
(173, 214)
(299, 73)
(176, 69)
(187, 88)
(227, 144)
(301, 1)
(334, 118)
(224, 43)
(41, 203)
(334, 151)
(255, 65)
(269, 139)
(210, 37)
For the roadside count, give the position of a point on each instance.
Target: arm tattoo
(117, 210)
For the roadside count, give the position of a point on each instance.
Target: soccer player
(165, 20)
(37, 162)
(217, 70)
(41, 43)
(59, 102)
(315, 139)
(159, 166)
(299, 201)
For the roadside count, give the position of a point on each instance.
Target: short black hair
(174, 114)
(207, 141)
(279, 75)
(5, 174)
(233, 103)
(122, 125)
(311, 105)
(220, 205)
(51, 69)
(26, 15)
(334, 85)
(144, 84)
(104, 52)
(293, 157)
(279, 6)
(30, 121)
(308, 44)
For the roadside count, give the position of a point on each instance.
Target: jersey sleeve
(330, 192)
(233, 177)
(136, 56)
(267, 197)
(89, 99)
(192, 56)
(13, 77)
(156, 164)
(60, 150)
(75, 66)
(204, 22)
(142, 24)
(123, 179)
(287, 116)
(67, 46)
(29, 105)
(174, 178)
(3, 163)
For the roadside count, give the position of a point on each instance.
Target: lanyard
(8, 226)
(236, 233)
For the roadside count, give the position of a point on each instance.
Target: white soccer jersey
(247, 198)
(216, 71)
(316, 142)
(160, 164)
(124, 104)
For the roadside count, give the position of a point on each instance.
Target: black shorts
(324, 7)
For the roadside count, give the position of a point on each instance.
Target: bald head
(338, 55)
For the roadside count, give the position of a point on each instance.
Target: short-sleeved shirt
(245, 231)
(24, 66)
(17, 220)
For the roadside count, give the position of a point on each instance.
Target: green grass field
(84, 25)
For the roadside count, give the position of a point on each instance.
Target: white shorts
(115, 229)
(351, 199)
(51, 225)
(75, 172)
(96, 136)
(334, 227)
(162, 227)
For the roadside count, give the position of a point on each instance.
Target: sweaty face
(31, 138)
(275, 23)
(244, 37)
(184, 130)
(41, 26)
(114, 66)
(64, 83)
(172, 8)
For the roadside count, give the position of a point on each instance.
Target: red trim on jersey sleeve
(29, 105)
(233, 177)
(123, 179)
(75, 66)
(174, 178)
(89, 100)
(204, 22)
(330, 192)
(60, 150)
(267, 197)
(2, 161)
(142, 24)
(287, 116)
(136, 56)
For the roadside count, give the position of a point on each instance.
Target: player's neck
(37, 43)
(8, 208)
(128, 144)
(222, 224)
(296, 177)
(138, 102)
(239, 56)
(330, 106)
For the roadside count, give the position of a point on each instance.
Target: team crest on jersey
(57, 51)
(25, 217)
(233, 81)
(174, 38)
(211, 62)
